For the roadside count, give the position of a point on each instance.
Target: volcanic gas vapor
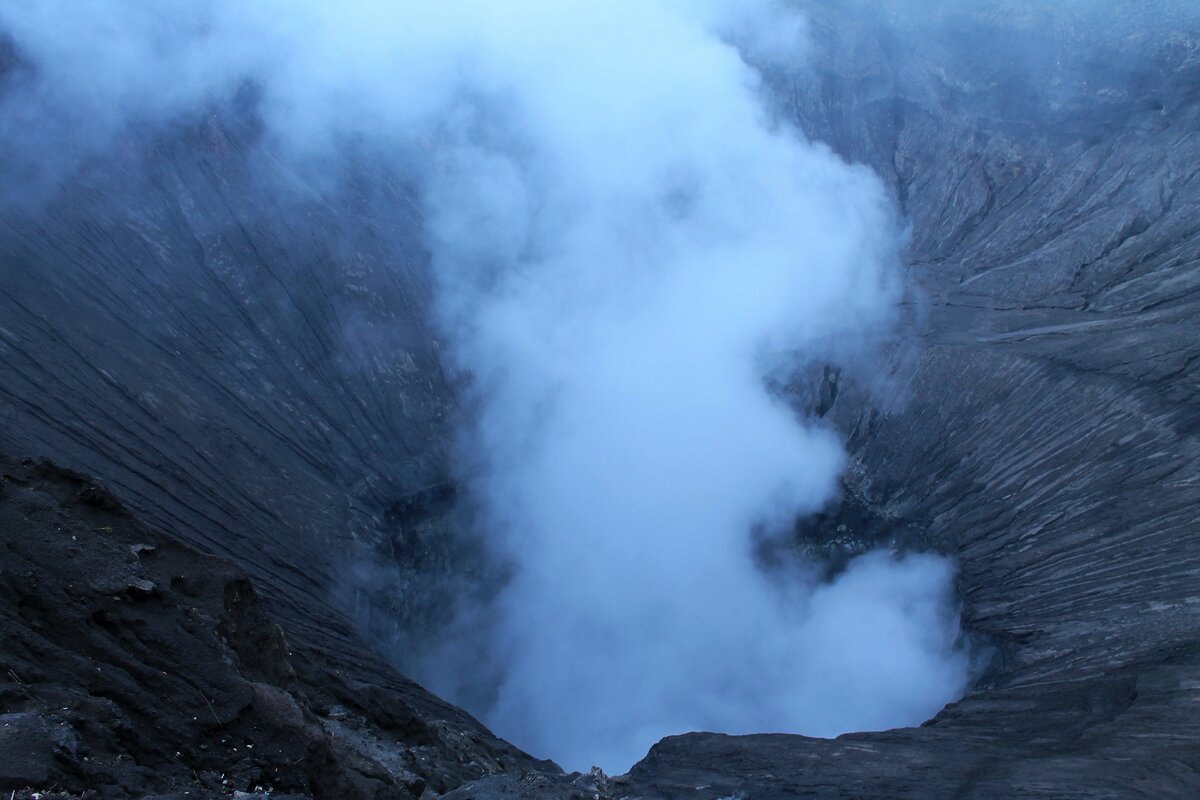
(626, 240)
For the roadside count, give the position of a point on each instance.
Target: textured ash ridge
(1044, 428)
(135, 666)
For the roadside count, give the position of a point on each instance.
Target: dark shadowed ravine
(228, 516)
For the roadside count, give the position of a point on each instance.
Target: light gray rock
(1043, 428)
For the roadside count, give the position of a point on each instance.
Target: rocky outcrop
(134, 666)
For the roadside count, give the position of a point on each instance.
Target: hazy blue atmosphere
(625, 242)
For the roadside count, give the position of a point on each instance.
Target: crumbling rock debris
(134, 666)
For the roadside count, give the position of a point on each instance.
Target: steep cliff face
(250, 371)
(248, 367)
(1043, 426)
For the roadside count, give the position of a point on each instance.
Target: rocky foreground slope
(133, 666)
(249, 370)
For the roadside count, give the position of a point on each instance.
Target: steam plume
(625, 242)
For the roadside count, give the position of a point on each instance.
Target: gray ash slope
(250, 370)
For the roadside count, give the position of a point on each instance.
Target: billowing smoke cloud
(626, 242)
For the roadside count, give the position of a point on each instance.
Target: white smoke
(625, 242)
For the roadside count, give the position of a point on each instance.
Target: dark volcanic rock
(34, 747)
(133, 665)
